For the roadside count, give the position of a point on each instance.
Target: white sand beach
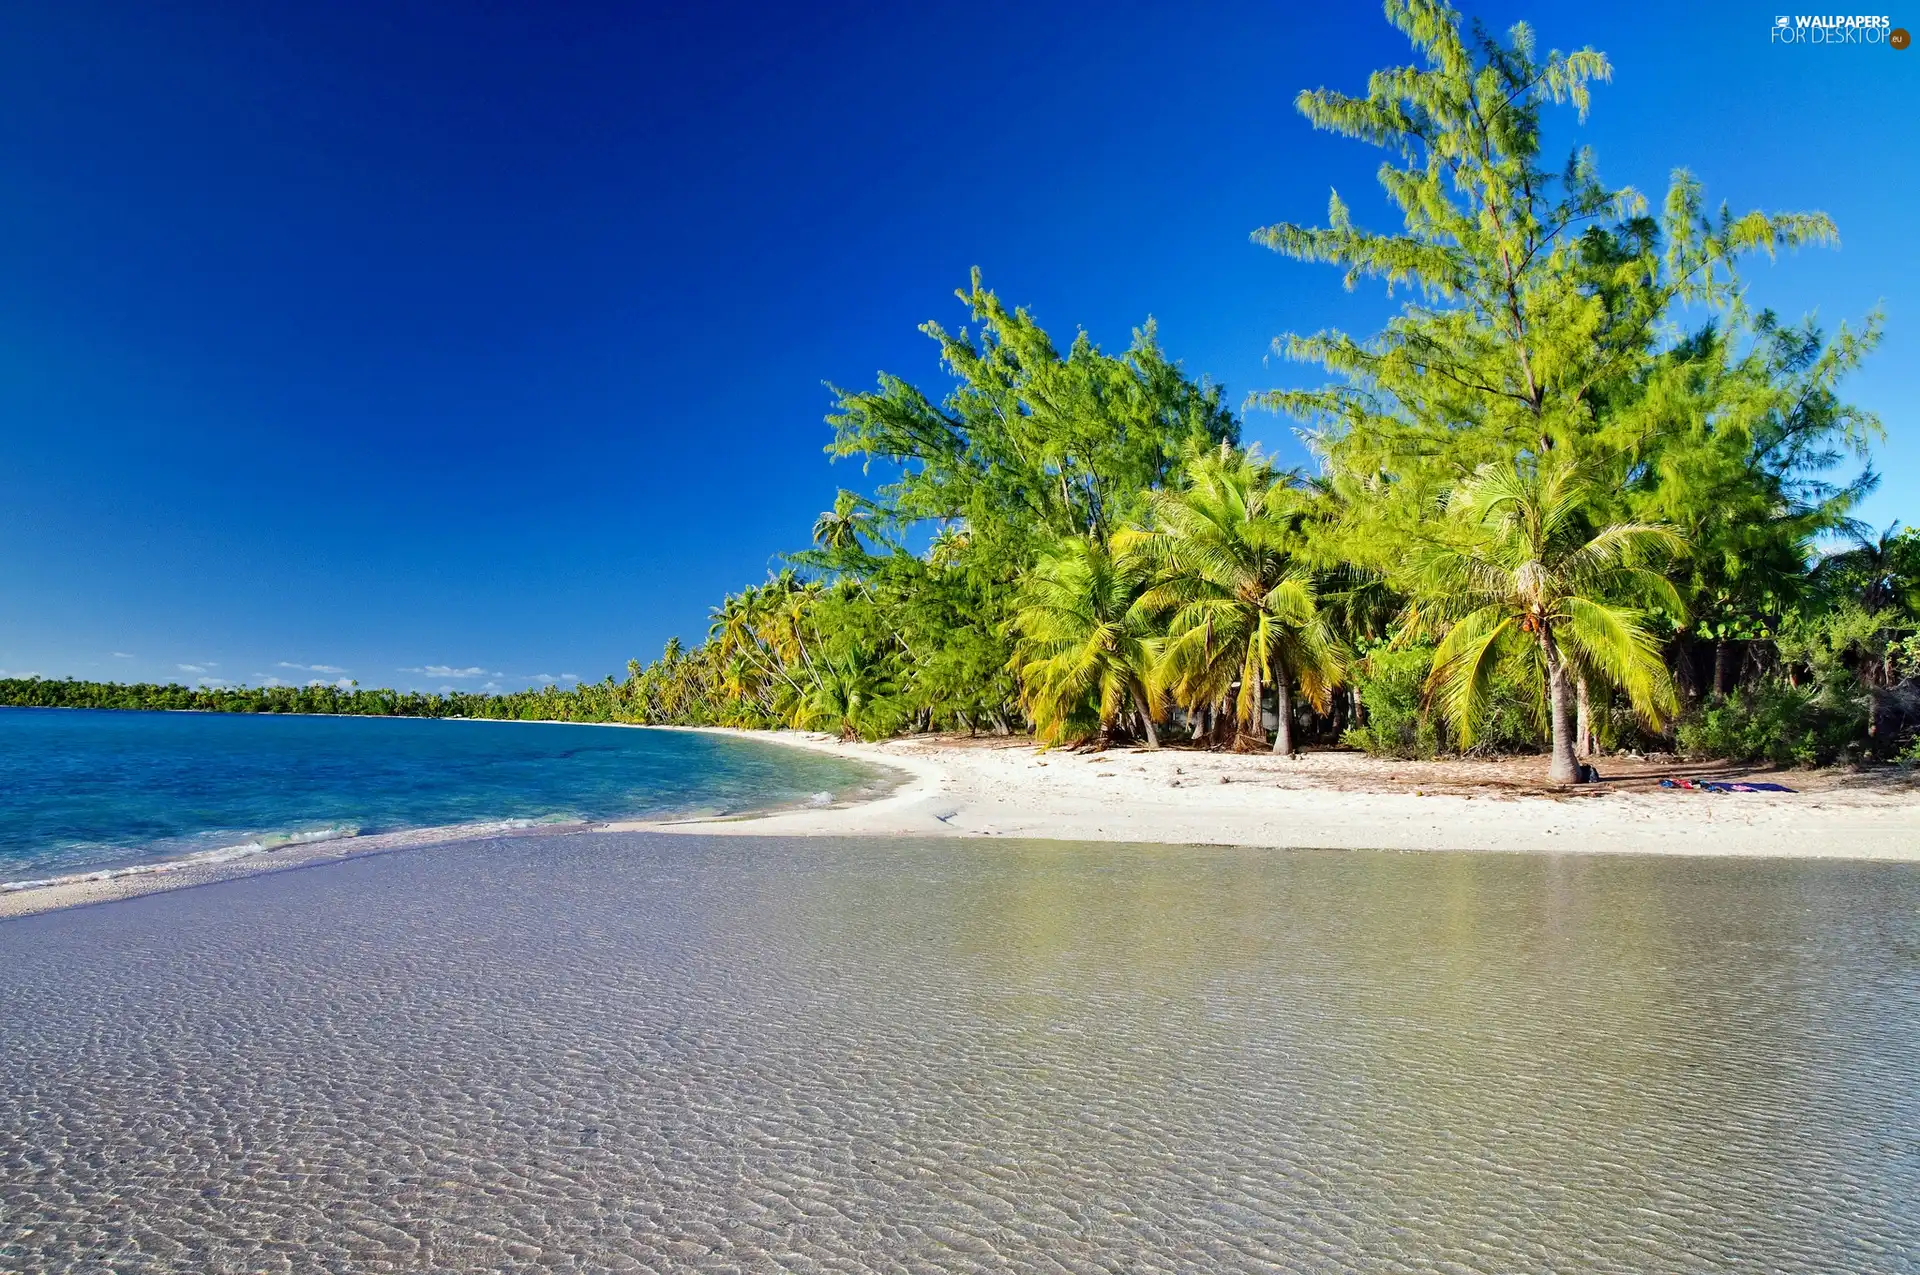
(1341, 800)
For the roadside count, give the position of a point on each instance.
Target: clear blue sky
(393, 341)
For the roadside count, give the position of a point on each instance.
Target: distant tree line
(606, 701)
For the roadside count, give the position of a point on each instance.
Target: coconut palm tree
(789, 623)
(840, 528)
(1877, 569)
(852, 694)
(732, 622)
(1081, 643)
(1223, 556)
(1519, 576)
(948, 544)
(740, 679)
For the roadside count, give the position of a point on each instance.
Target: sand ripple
(608, 1052)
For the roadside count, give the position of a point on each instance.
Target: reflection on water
(612, 1052)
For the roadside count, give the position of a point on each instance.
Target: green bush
(1777, 722)
(1392, 685)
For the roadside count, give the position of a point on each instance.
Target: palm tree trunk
(1283, 716)
(1562, 768)
(1146, 719)
(1722, 667)
(1256, 728)
(1583, 720)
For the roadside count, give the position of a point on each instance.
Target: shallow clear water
(604, 1051)
(81, 790)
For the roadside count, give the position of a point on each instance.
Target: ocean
(85, 791)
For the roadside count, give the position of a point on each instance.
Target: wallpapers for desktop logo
(1838, 28)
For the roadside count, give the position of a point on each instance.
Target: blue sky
(469, 345)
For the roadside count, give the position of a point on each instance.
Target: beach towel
(1714, 785)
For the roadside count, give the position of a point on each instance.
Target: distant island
(597, 702)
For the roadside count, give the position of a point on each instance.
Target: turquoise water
(84, 790)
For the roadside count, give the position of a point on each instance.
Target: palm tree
(1520, 578)
(1080, 641)
(790, 622)
(1223, 555)
(1874, 566)
(733, 621)
(740, 676)
(839, 529)
(948, 544)
(852, 695)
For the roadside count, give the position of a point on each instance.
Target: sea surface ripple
(621, 1052)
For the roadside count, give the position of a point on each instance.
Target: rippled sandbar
(621, 1052)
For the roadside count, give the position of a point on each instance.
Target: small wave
(279, 841)
(264, 844)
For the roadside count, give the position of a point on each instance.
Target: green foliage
(1776, 722)
(1392, 685)
(1518, 577)
(1085, 654)
(1400, 721)
(606, 701)
(1224, 550)
(1539, 338)
(1030, 444)
(852, 694)
(1539, 293)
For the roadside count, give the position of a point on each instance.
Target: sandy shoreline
(987, 787)
(1340, 801)
(108, 885)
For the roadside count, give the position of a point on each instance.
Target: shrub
(1392, 685)
(1777, 722)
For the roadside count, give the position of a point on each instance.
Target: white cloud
(342, 683)
(444, 670)
(491, 688)
(191, 668)
(23, 674)
(122, 655)
(569, 677)
(211, 683)
(329, 669)
(269, 681)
